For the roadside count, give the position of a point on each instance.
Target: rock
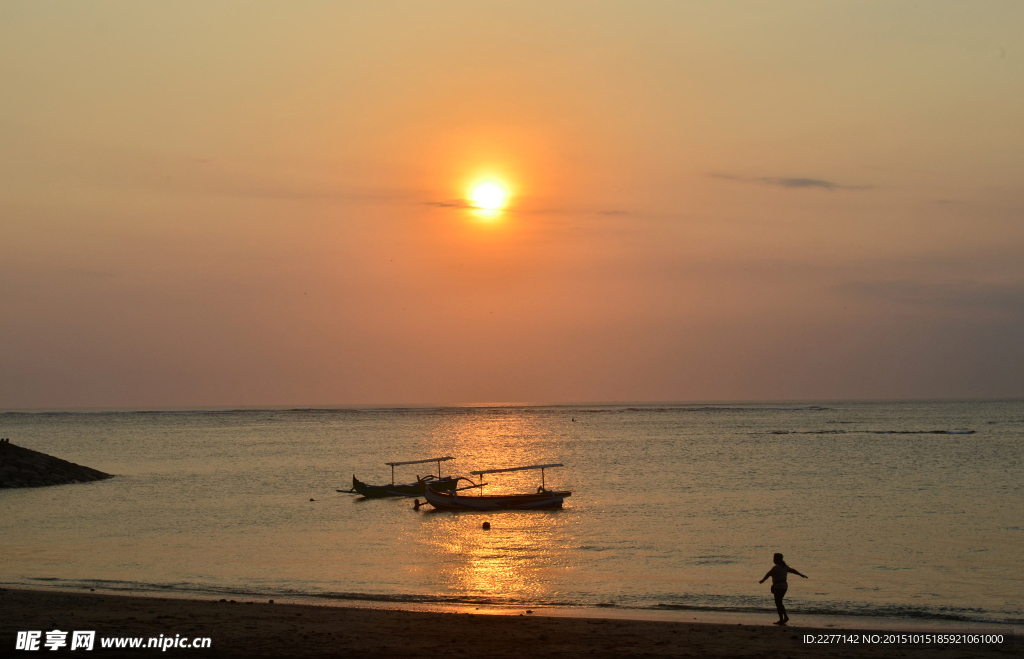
(22, 467)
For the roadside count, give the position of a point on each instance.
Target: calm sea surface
(893, 509)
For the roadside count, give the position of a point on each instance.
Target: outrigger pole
(498, 471)
(416, 462)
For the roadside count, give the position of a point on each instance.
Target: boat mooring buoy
(487, 526)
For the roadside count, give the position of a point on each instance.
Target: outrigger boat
(406, 489)
(543, 498)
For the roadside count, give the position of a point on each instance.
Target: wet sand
(259, 629)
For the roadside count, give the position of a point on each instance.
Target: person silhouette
(779, 585)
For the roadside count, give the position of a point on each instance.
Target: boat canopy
(498, 471)
(416, 462)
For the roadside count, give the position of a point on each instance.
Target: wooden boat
(543, 498)
(406, 489)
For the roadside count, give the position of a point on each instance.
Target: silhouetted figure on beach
(779, 585)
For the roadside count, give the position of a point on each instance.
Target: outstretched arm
(796, 572)
(766, 576)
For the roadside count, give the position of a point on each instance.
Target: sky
(247, 203)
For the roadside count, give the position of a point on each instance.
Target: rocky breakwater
(22, 467)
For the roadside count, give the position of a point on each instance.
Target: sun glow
(488, 196)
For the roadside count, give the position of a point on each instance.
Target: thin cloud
(466, 205)
(203, 176)
(455, 203)
(801, 183)
(792, 182)
(955, 294)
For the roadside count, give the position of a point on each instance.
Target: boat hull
(452, 501)
(401, 490)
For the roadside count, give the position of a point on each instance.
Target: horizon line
(384, 407)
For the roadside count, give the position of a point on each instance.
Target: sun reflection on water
(506, 440)
(516, 559)
(508, 563)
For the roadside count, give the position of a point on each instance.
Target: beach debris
(271, 601)
(487, 526)
(312, 499)
(529, 610)
(23, 467)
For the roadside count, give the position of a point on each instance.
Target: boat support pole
(392, 474)
(542, 478)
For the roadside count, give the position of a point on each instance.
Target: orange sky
(261, 203)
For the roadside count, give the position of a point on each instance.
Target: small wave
(716, 408)
(713, 560)
(192, 589)
(890, 568)
(701, 409)
(871, 432)
(855, 610)
(810, 432)
(920, 432)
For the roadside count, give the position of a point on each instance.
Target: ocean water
(903, 510)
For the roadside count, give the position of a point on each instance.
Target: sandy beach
(260, 629)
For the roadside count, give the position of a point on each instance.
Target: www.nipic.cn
(85, 640)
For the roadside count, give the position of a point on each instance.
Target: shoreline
(817, 621)
(247, 627)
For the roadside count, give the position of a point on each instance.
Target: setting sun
(488, 196)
